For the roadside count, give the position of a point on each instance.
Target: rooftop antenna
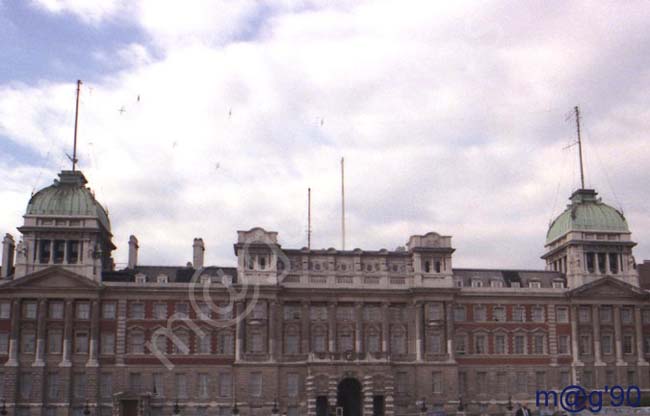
(582, 170)
(343, 203)
(309, 218)
(74, 159)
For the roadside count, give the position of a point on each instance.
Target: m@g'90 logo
(576, 398)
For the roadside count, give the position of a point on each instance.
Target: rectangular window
(479, 344)
(157, 387)
(499, 344)
(538, 314)
(461, 346)
(318, 313)
(521, 380)
(29, 310)
(397, 313)
(182, 310)
(401, 383)
(502, 382)
(59, 251)
(255, 384)
(181, 385)
(225, 343)
(519, 344)
(462, 382)
(205, 343)
(459, 313)
(318, 343)
(540, 380)
(52, 385)
(259, 311)
(106, 385)
(605, 314)
(436, 382)
(257, 344)
(628, 342)
(55, 310)
(205, 311)
(534, 284)
(646, 344)
(291, 312)
(481, 382)
(434, 312)
(4, 342)
(631, 377)
(562, 315)
(590, 263)
(602, 263)
(108, 310)
(79, 385)
(27, 342)
(538, 344)
(606, 344)
(81, 342)
(646, 316)
(291, 344)
(73, 252)
(626, 315)
(499, 313)
(44, 247)
(585, 345)
(587, 378)
(610, 377)
(372, 342)
(293, 383)
(584, 314)
(480, 313)
(107, 343)
(136, 310)
(82, 310)
(613, 263)
(563, 344)
(346, 342)
(160, 311)
(564, 378)
(518, 314)
(225, 384)
(5, 310)
(345, 313)
(204, 385)
(435, 343)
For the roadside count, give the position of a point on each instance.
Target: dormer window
(558, 284)
(496, 283)
(534, 284)
(459, 282)
(515, 284)
(140, 278)
(226, 280)
(162, 278)
(477, 283)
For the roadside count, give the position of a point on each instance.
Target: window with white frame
(499, 313)
(606, 344)
(107, 344)
(519, 344)
(293, 383)
(136, 342)
(628, 344)
(136, 310)
(459, 313)
(160, 310)
(225, 384)
(538, 344)
(562, 314)
(519, 314)
(563, 344)
(255, 384)
(500, 344)
(55, 309)
(108, 310)
(538, 314)
(496, 283)
(480, 313)
(480, 344)
(477, 283)
(434, 311)
(460, 342)
(558, 284)
(5, 309)
(535, 284)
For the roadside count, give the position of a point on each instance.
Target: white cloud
(450, 118)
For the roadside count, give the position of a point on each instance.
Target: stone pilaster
(94, 335)
(358, 326)
(385, 328)
(450, 332)
(239, 330)
(40, 334)
(418, 330)
(14, 334)
(331, 318)
(305, 335)
(638, 329)
(596, 324)
(272, 330)
(120, 336)
(575, 352)
(67, 334)
(618, 336)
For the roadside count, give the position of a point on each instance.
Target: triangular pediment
(55, 278)
(608, 288)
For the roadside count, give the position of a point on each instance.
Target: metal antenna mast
(343, 203)
(76, 121)
(309, 218)
(582, 170)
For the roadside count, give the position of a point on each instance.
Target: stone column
(94, 335)
(305, 335)
(618, 336)
(575, 352)
(14, 335)
(331, 317)
(67, 334)
(385, 329)
(638, 327)
(358, 326)
(272, 330)
(239, 330)
(40, 334)
(450, 332)
(418, 331)
(596, 324)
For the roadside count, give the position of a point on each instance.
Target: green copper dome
(68, 196)
(587, 213)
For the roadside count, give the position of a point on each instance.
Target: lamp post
(461, 406)
(177, 409)
(275, 410)
(86, 409)
(235, 410)
(509, 405)
(3, 409)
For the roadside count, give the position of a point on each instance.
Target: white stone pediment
(609, 287)
(55, 278)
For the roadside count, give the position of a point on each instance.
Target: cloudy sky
(451, 116)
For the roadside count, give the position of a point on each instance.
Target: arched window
(346, 339)
(319, 339)
(291, 340)
(372, 340)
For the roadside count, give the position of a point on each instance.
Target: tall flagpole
(76, 122)
(309, 218)
(343, 203)
(582, 169)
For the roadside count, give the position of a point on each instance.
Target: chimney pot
(198, 253)
(8, 249)
(133, 252)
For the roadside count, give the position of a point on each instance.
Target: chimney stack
(8, 249)
(133, 252)
(199, 251)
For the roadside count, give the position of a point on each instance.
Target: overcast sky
(452, 118)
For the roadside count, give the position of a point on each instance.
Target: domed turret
(65, 226)
(590, 240)
(68, 196)
(587, 213)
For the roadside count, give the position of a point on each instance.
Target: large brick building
(299, 330)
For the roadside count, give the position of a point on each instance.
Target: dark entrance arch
(349, 397)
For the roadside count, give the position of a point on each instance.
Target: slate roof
(546, 278)
(175, 274)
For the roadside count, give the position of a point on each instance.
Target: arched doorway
(349, 397)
